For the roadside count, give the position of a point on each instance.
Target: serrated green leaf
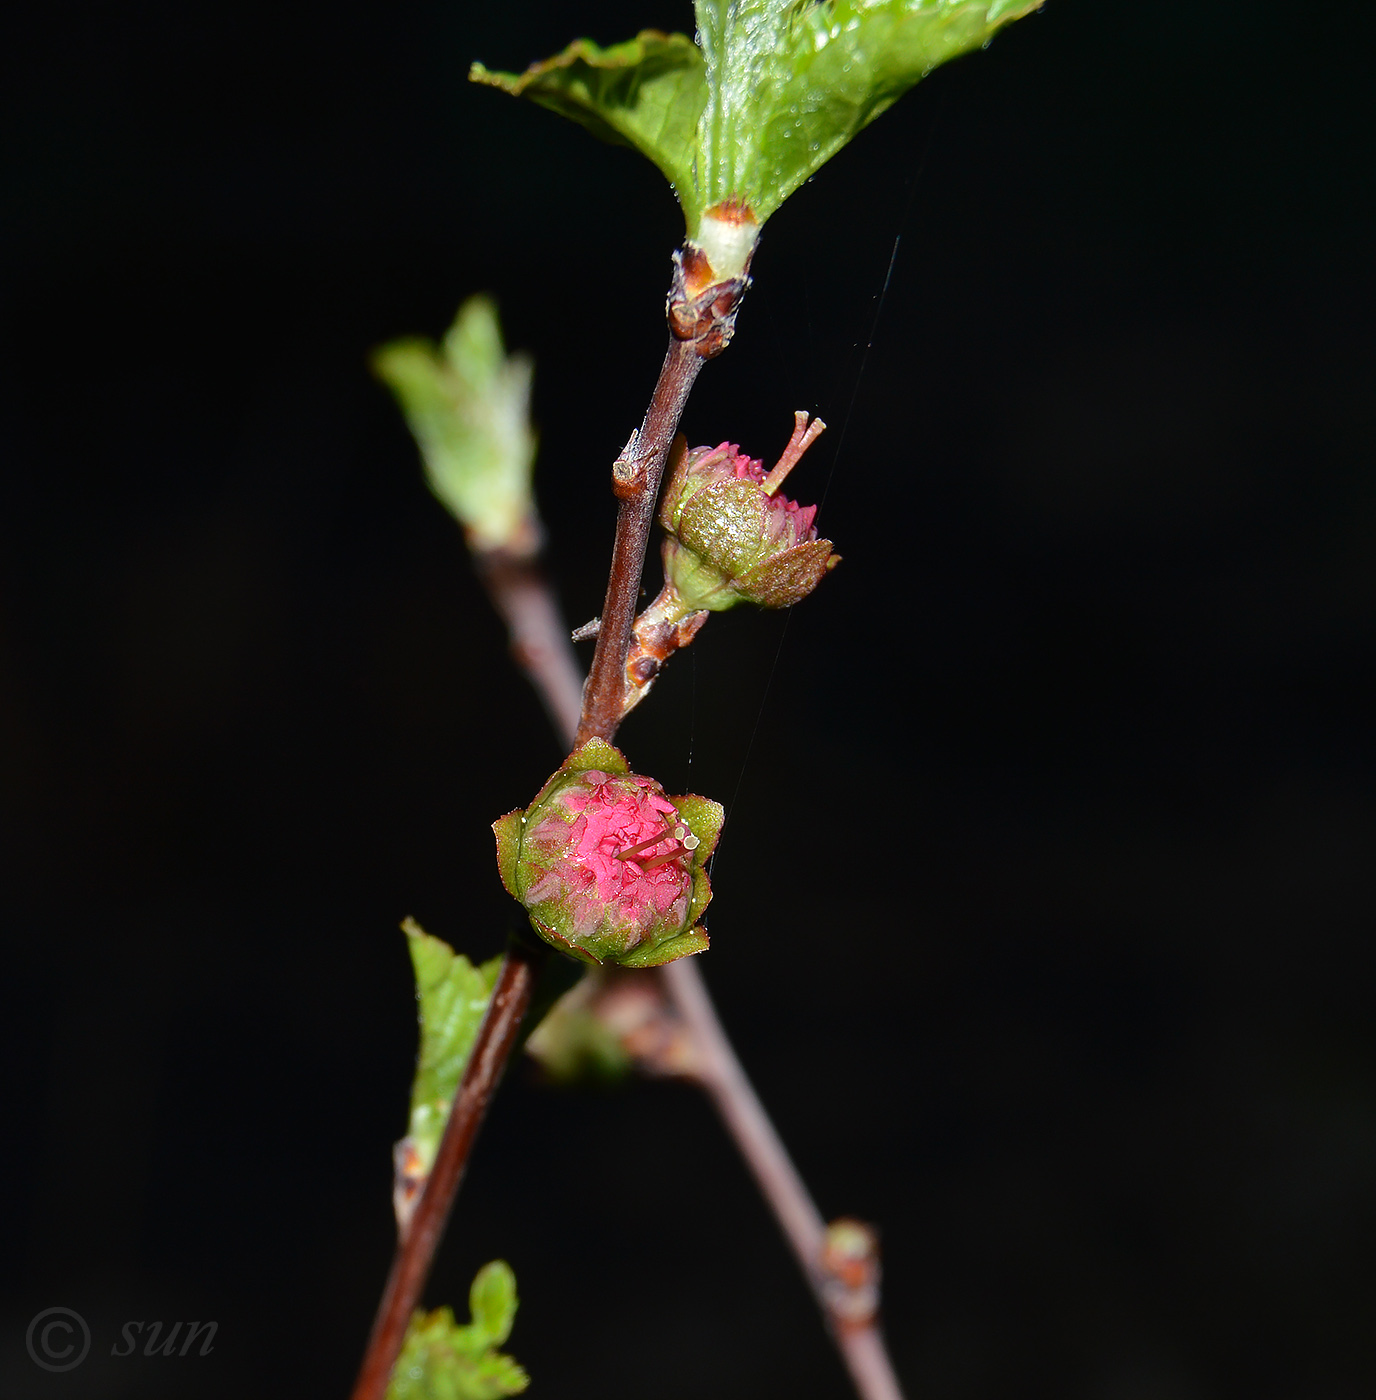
(467, 404)
(790, 82)
(442, 1361)
(492, 1301)
(647, 93)
(498, 1374)
(777, 87)
(452, 996)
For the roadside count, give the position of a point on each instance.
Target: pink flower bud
(732, 537)
(608, 867)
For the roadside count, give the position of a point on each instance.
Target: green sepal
(595, 755)
(702, 896)
(704, 818)
(681, 945)
(507, 830)
(724, 523)
(552, 935)
(452, 996)
(789, 576)
(441, 1360)
(592, 755)
(647, 93)
(697, 583)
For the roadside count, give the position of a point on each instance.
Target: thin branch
(715, 1065)
(702, 325)
(497, 1037)
(702, 320)
(635, 479)
(540, 643)
(867, 1359)
(850, 1310)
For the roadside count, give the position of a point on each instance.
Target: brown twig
(701, 322)
(851, 1313)
(700, 1047)
(660, 630)
(635, 479)
(540, 643)
(415, 1252)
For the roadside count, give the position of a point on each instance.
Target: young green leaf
(452, 996)
(492, 1301)
(467, 404)
(771, 91)
(647, 93)
(574, 1044)
(790, 82)
(442, 1361)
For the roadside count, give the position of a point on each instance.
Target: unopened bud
(609, 868)
(732, 537)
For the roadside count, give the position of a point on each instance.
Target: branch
(850, 1306)
(843, 1278)
(701, 323)
(701, 319)
(416, 1247)
(635, 479)
(540, 643)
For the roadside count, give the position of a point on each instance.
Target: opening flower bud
(608, 867)
(731, 536)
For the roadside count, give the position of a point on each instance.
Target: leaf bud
(609, 868)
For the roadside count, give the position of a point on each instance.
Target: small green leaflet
(574, 1044)
(442, 1361)
(648, 93)
(452, 996)
(467, 403)
(770, 91)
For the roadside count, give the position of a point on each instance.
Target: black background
(1044, 913)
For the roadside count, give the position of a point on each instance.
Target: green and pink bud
(607, 866)
(732, 537)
